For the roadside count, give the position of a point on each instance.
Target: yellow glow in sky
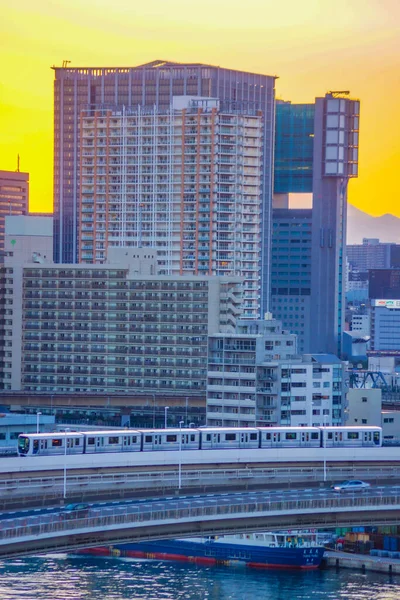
(313, 46)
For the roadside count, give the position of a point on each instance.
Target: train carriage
(351, 436)
(168, 439)
(48, 444)
(123, 440)
(290, 437)
(213, 438)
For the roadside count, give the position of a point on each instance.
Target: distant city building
(14, 197)
(152, 87)
(385, 324)
(373, 254)
(384, 284)
(117, 326)
(256, 378)
(185, 181)
(361, 324)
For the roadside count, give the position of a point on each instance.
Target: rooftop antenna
(65, 63)
(337, 93)
(17, 163)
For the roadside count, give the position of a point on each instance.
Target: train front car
(50, 444)
(351, 437)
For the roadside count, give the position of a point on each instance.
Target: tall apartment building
(148, 86)
(256, 378)
(291, 272)
(112, 327)
(186, 181)
(14, 197)
(322, 141)
(233, 396)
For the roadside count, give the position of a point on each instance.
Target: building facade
(185, 181)
(291, 272)
(373, 254)
(113, 327)
(14, 197)
(316, 152)
(335, 163)
(256, 378)
(148, 86)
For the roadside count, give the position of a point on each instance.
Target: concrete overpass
(31, 533)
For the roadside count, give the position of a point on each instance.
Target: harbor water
(61, 577)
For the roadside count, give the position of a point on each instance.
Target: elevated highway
(29, 533)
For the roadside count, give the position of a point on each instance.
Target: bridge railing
(190, 478)
(98, 519)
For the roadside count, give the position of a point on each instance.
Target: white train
(207, 438)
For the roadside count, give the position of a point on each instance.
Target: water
(58, 577)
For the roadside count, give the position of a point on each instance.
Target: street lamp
(65, 462)
(180, 456)
(37, 421)
(165, 416)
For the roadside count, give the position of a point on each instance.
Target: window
(291, 436)
(253, 436)
(364, 421)
(171, 438)
(352, 435)
(148, 438)
(56, 443)
(267, 436)
(90, 441)
(388, 420)
(314, 435)
(113, 440)
(230, 437)
(208, 437)
(364, 399)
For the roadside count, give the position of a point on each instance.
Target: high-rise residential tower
(184, 181)
(14, 197)
(151, 86)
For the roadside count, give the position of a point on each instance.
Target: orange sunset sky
(312, 45)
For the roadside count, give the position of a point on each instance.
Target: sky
(313, 46)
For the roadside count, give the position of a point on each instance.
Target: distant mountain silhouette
(361, 225)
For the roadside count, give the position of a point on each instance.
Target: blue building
(291, 272)
(294, 148)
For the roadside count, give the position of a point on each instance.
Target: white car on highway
(351, 485)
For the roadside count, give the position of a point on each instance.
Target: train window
(267, 436)
(291, 436)
(35, 446)
(192, 437)
(148, 438)
(352, 435)
(314, 435)
(230, 437)
(90, 441)
(376, 437)
(134, 439)
(77, 441)
(208, 437)
(113, 439)
(253, 436)
(171, 438)
(56, 442)
(330, 435)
